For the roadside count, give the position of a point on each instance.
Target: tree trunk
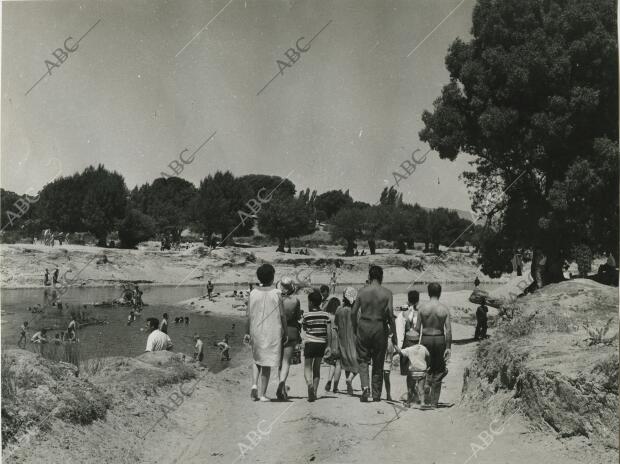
(546, 268)
(281, 241)
(425, 247)
(372, 246)
(350, 247)
(401, 246)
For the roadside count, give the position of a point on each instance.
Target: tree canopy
(534, 98)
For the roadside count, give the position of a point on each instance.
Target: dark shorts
(314, 349)
(436, 346)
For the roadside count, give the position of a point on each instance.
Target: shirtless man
(373, 305)
(434, 321)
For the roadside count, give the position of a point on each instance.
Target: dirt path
(220, 424)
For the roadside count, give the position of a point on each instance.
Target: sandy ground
(23, 266)
(225, 426)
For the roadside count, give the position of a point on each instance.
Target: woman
(292, 313)
(265, 330)
(346, 338)
(332, 355)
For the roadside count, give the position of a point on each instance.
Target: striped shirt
(315, 325)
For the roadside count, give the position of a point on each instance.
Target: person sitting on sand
(23, 333)
(163, 326)
(418, 359)
(316, 324)
(434, 324)
(198, 349)
(157, 340)
(39, 337)
(266, 330)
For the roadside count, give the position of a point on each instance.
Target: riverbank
(203, 417)
(23, 266)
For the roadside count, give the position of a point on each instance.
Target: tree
(333, 201)
(104, 200)
(136, 227)
(285, 217)
(168, 202)
(533, 97)
(272, 184)
(220, 202)
(348, 224)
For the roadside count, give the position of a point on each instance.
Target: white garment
(158, 341)
(418, 358)
(266, 326)
(401, 322)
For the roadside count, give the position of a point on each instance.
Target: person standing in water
(23, 333)
(46, 278)
(373, 307)
(163, 326)
(198, 349)
(434, 325)
(333, 281)
(210, 287)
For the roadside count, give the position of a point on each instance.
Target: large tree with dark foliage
(104, 201)
(284, 217)
(168, 202)
(534, 98)
(220, 205)
(333, 201)
(135, 227)
(348, 224)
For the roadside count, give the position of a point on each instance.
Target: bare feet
(264, 399)
(254, 394)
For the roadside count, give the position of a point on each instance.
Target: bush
(136, 227)
(583, 257)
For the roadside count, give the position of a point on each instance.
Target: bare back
(375, 301)
(434, 319)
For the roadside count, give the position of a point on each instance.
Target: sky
(151, 79)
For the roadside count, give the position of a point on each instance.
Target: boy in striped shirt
(316, 326)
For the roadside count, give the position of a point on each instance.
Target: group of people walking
(354, 334)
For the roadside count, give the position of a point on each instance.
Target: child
(198, 349)
(419, 358)
(23, 333)
(387, 366)
(224, 349)
(316, 325)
